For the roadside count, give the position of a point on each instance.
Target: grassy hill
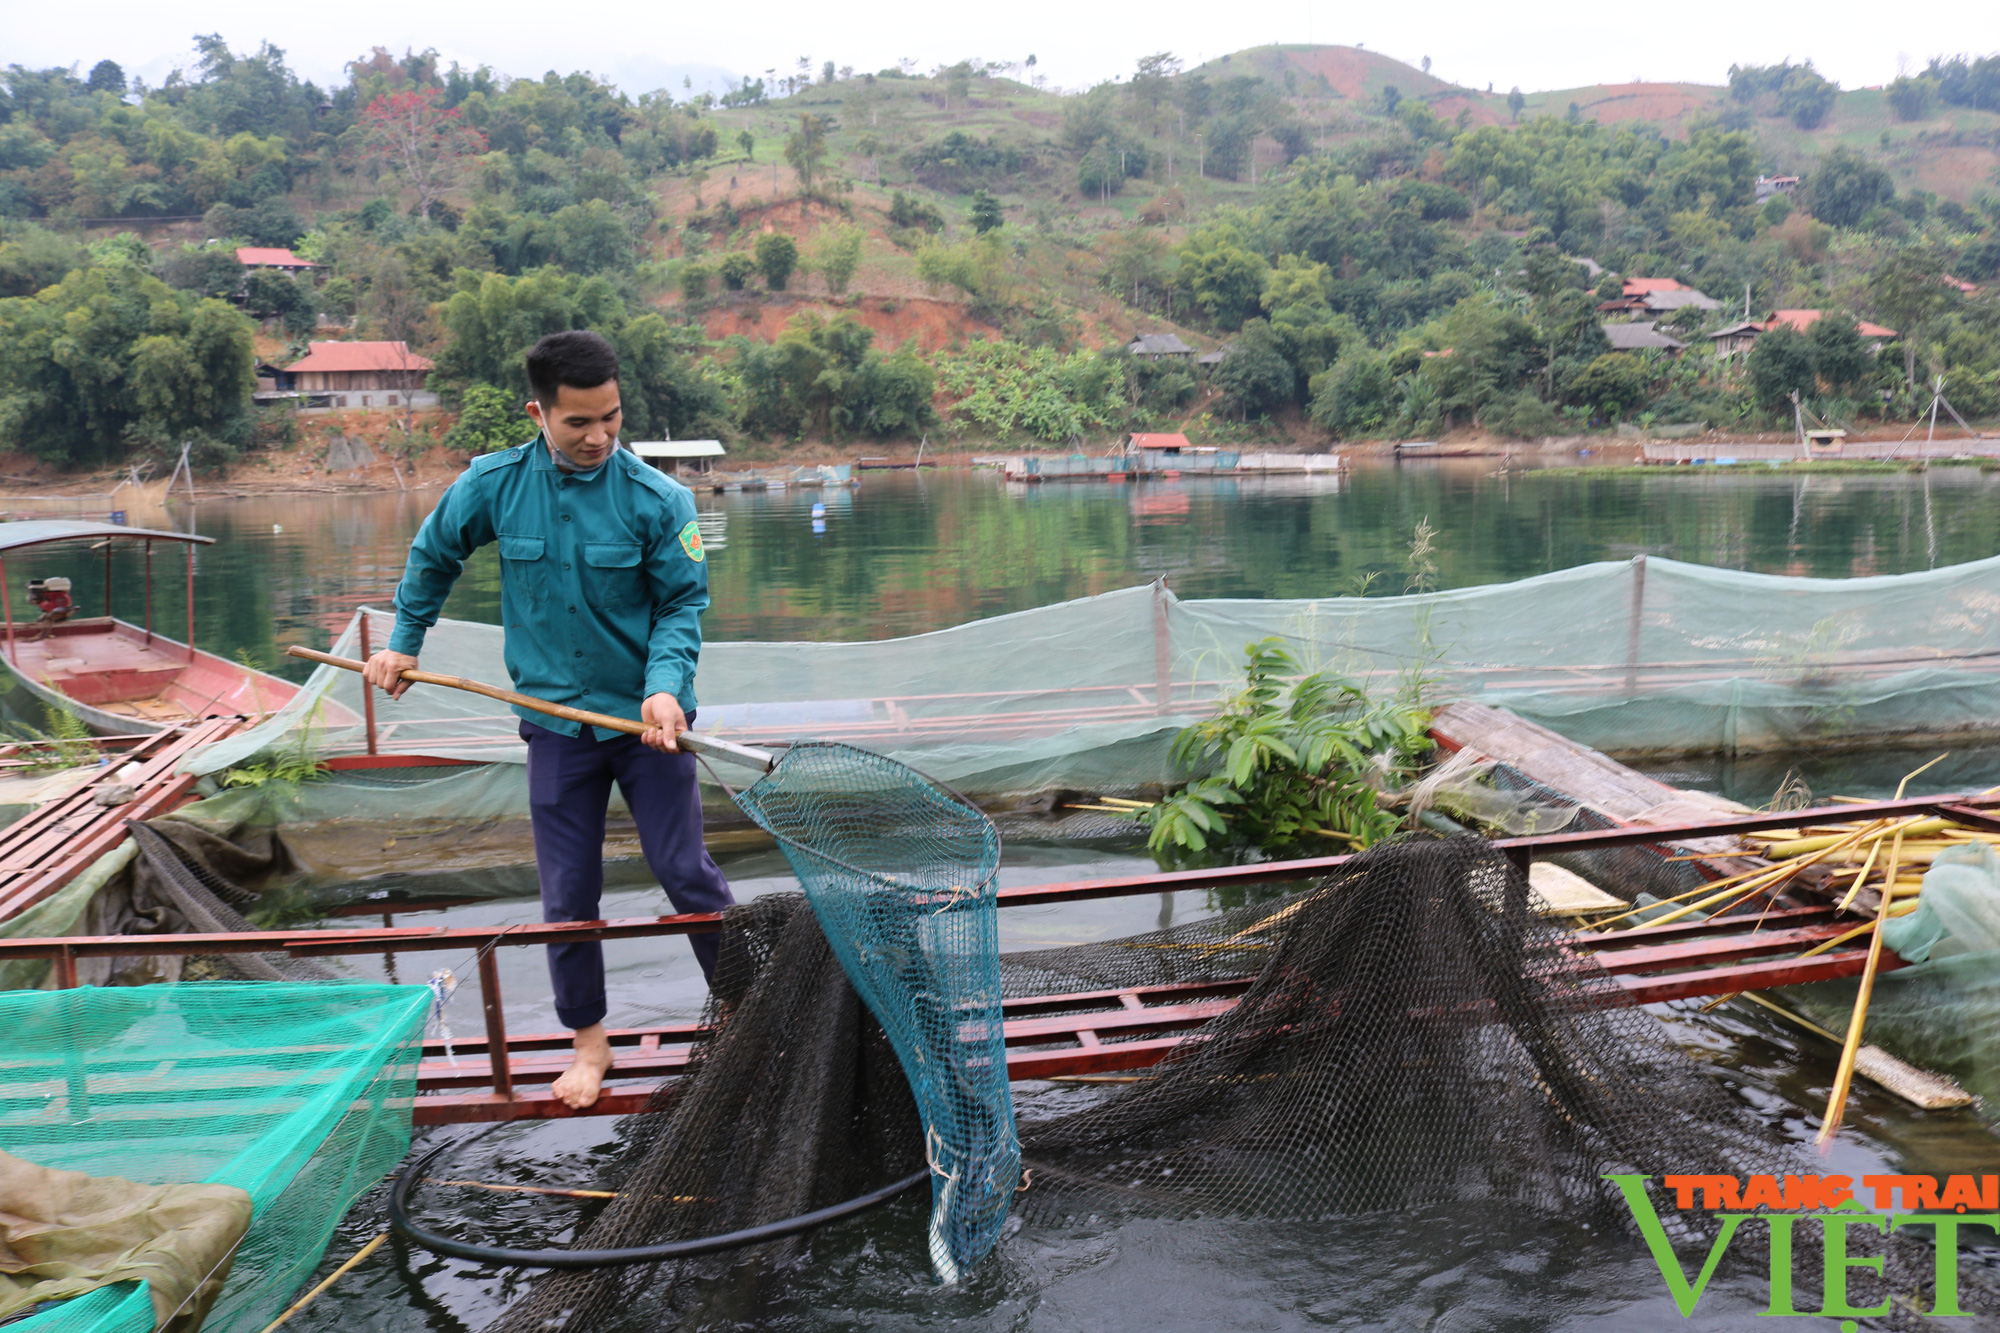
(1379, 250)
(1058, 229)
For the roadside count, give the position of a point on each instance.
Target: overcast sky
(639, 46)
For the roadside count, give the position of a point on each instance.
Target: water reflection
(907, 553)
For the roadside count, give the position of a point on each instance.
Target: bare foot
(579, 1085)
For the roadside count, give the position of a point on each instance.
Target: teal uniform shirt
(602, 578)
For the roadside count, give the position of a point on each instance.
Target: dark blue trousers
(569, 786)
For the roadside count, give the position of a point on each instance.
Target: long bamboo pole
(331, 1278)
(1747, 883)
(699, 744)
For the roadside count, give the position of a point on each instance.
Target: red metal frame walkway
(1050, 1035)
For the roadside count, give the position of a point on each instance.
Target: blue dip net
(902, 876)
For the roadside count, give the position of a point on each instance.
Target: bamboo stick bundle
(1843, 1078)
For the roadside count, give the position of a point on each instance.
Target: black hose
(399, 1221)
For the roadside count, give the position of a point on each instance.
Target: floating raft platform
(1669, 453)
(1148, 464)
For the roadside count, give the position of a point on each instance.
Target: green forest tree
(1256, 374)
(488, 419)
(1614, 384)
(806, 149)
(836, 254)
(827, 376)
(111, 359)
(1780, 365)
(777, 256)
(984, 212)
(1844, 187)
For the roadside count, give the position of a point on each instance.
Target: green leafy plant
(1291, 762)
(66, 743)
(293, 763)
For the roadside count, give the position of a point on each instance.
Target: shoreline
(300, 468)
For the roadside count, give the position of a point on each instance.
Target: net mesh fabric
(1410, 1032)
(901, 875)
(122, 1307)
(1625, 872)
(1642, 657)
(297, 1093)
(1415, 1033)
(200, 898)
(797, 1102)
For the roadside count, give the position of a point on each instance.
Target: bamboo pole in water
(1843, 1078)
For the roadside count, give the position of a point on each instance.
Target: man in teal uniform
(602, 584)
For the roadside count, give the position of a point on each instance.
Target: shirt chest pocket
(523, 571)
(614, 580)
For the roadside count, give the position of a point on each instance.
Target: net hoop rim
(406, 1178)
(891, 881)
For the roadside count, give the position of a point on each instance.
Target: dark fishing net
(1625, 872)
(1415, 1033)
(797, 1102)
(175, 892)
(1408, 1032)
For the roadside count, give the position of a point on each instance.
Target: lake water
(906, 554)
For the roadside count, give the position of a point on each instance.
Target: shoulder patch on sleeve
(691, 542)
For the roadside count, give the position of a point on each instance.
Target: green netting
(122, 1307)
(902, 877)
(299, 1094)
(1640, 657)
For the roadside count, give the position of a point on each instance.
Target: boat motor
(51, 597)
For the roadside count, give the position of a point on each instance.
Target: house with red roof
(1872, 334)
(1653, 298)
(266, 256)
(360, 374)
(1739, 337)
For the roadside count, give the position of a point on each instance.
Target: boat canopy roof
(40, 531)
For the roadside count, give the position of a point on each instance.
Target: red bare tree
(409, 132)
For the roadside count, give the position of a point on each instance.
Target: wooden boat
(119, 678)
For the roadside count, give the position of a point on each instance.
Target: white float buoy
(819, 510)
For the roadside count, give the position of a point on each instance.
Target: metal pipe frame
(1650, 964)
(367, 690)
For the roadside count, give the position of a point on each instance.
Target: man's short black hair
(578, 358)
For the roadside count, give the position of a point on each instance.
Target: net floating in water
(1417, 1033)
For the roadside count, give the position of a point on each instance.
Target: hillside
(960, 254)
